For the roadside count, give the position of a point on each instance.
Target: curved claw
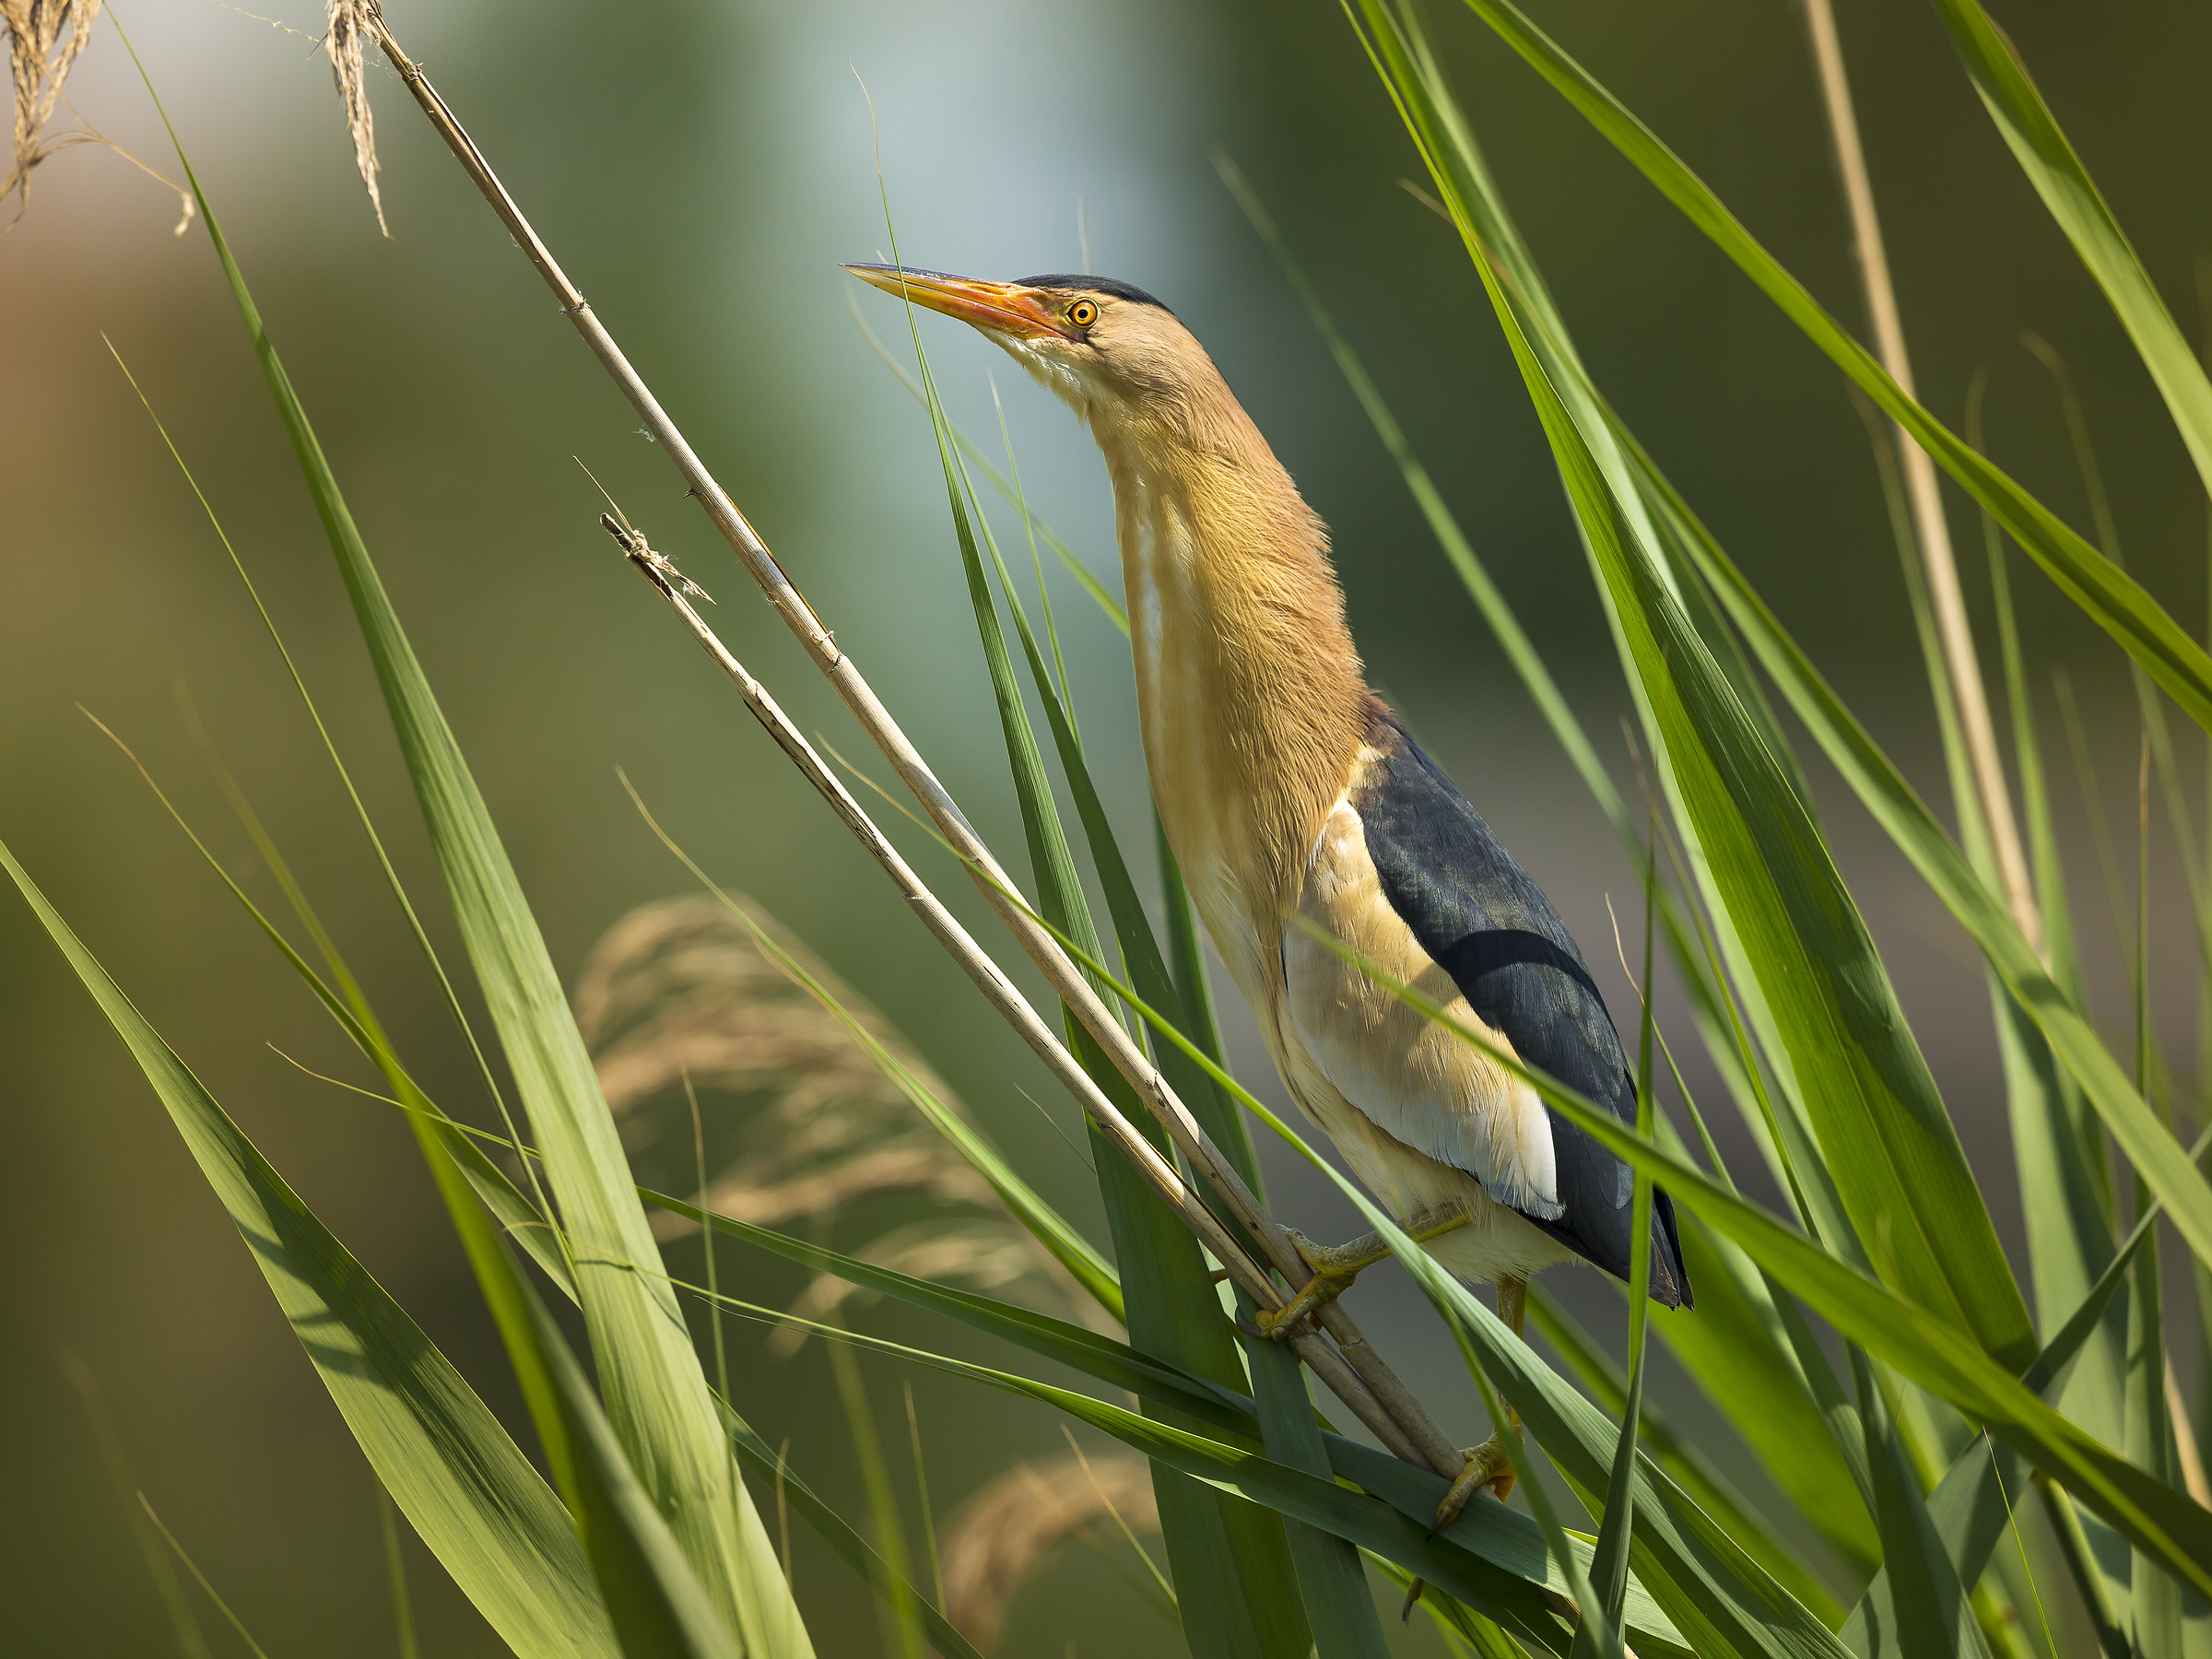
(1487, 1465)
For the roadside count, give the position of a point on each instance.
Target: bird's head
(1116, 354)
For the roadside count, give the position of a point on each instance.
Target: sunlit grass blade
(1234, 1566)
(656, 1395)
(653, 1599)
(1923, 1609)
(2110, 598)
(1609, 1569)
(2147, 1143)
(492, 1523)
(1887, 1139)
(1935, 1353)
(1739, 1354)
(2056, 171)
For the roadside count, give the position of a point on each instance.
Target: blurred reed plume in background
(1002, 1536)
(677, 996)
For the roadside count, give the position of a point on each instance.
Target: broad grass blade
(654, 1600)
(493, 1524)
(2111, 598)
(656, 1395)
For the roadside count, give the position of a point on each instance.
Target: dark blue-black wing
(1476, 912)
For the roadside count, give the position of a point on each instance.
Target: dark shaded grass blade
(207, 1585)
(1500, 1568)
(2112, 599)
(191, 1643)
(1891, 1148)
(491, 1521)
(901, 1606)
(1233, 1565)
(395, 1571)
(657, 1398)
(1339, 1607)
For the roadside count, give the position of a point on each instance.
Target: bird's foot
(1487, 1464)
(1334, 1268)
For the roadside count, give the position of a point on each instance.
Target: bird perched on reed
(1294, 800)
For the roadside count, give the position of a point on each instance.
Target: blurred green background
(700, 171)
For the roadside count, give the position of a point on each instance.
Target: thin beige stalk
(1377, 1389)
(1921, 490)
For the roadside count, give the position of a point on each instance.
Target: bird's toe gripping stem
(1334, 1266)
(1489, 1465)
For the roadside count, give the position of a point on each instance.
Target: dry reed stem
(997, 1541)
(1369, 1387)
(45, 39)
(349, 22)
(1925, 498)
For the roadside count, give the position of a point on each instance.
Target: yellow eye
(1082, 314)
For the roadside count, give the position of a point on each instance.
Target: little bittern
(1291, 793)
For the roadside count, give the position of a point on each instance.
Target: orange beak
(1004, 308)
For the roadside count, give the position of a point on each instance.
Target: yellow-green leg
(1336, 1267)
(1489, 1465)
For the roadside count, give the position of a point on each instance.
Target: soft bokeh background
(701, 169)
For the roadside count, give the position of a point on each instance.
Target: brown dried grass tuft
(348, 22)
(997, 1541)
(679, 986)
(45, 39)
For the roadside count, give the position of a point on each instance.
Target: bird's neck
(1249, 690)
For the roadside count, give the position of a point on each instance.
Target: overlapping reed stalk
(1348, 1365)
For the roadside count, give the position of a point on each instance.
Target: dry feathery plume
(44, 37)
(679, 987)
(988, 1253)
(348, 22)
(998, 1539)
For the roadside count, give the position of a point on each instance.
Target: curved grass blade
(2111, 598)
(2056, 171)
(656, 1397)
(1894, 1151)
(1935, 1353)
(1490, 1557)
(491, 1521)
